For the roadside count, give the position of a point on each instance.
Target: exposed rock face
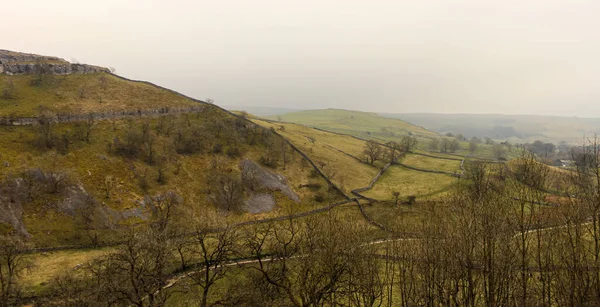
(257, 176)
(17, 63)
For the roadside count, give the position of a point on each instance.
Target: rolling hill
(361, 124)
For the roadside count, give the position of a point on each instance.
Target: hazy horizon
(473, 57)
(290, 110)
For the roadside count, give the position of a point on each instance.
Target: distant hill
(514, 128)
(361, 124)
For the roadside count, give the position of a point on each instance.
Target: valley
(127, 193)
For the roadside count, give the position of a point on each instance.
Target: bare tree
(394, 151)
(434, 145)
(214, 251)
(225, 186)
(473, 146)
(136, 273)
(499, 151)
(108, 184)
(372, 152)
(12, 265)
(45, 125)
(88, 125)
(164, 208)
(89, 217)
(454, 145)
(408, 142)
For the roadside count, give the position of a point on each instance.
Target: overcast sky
(461, 56)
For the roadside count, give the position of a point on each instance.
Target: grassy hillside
(125, 161)
(81, 93)
(320, 146)
(362, 124)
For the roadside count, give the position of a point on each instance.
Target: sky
(443, 56)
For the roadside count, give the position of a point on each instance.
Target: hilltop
(29, 82)
(18, 63)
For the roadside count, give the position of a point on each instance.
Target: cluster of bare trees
(444, 145)
(390, 152)
(48, 137)
(277, 152)
(319, 261)
(13, 264)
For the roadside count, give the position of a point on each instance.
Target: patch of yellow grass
(50, 264)
(428, 163)
(410, 182)
(344, 171)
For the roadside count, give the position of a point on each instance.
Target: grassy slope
(84, 93)
(345, 171)
(362, 124)
(87, 164)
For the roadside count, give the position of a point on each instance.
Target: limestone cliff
(17, 63)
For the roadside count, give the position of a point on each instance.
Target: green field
(428, 163)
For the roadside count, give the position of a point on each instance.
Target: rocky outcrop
(257, 177)
(17, 63)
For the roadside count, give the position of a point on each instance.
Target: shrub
(233, 152)
(217, 149)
